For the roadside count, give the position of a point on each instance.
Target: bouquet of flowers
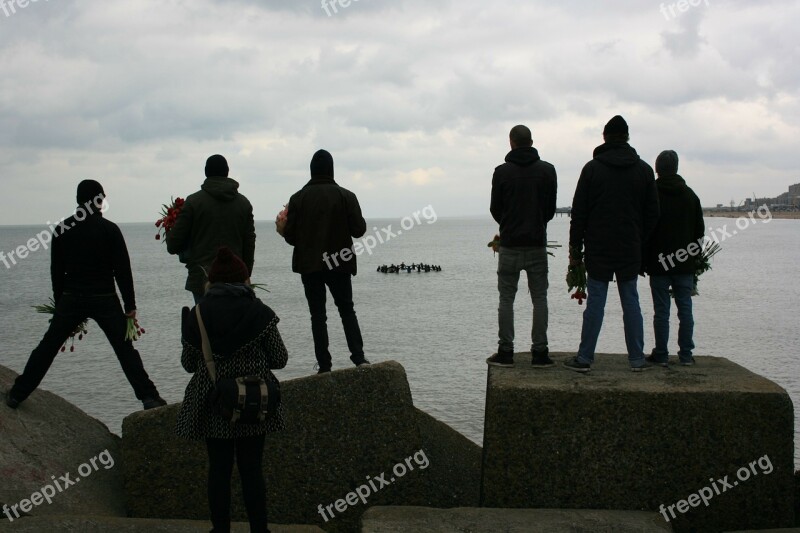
(703, 262)
(169, 214)
(80, 331)
(280, 220)
(494, 244)
(133, 330)
(576, 275)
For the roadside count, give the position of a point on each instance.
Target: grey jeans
(510, 263)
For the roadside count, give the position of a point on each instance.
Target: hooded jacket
(523, 198)
(245, 341)
(217, 215)
(614, 211)
(681, 224)
(322, 219)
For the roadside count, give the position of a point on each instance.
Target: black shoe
(688, 362)
(361, 362)
(152, 403)
(541, 359)
(501, 359)
(11, 401)
(641, 368)
(655, 361)
(322, 369)
(577, 366)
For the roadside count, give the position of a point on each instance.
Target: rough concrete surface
(95, 524)
(46, 439)
(471, 520)
(614, 439)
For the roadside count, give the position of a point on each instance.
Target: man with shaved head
(523, 202)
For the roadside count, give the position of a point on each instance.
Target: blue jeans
(682, 288)
(534, 262)
(597, 293)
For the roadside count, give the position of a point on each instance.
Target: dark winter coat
(614, 211)
(321, 221)
(523, 198)
(87, 256)
(680, 225)
(244, 341)
(217, 215)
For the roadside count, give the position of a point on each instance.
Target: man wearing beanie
(614, 211)
(217, 215)
(670, 259)
(322, 219)
(523, 202)
(88, 255)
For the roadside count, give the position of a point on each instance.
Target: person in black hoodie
(322, 219)
(244, 338)
(671, 253)
(523, 202)
(614, 211)
(88, 256)
(216, 215)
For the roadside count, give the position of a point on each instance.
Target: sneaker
(321, 369)
(11, 401)
(577, 366)
(655, 361)
(689, 362)
(641, 368)
(501, 359)
(362, 362)
(541, 359)
(153, 402)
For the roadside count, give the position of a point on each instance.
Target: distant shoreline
(786, 215)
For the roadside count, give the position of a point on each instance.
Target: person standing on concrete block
(614, 211)
(245, 341)
(216, 215)
(670, 259)
(321, 220)
(89, 255)
(523, 202)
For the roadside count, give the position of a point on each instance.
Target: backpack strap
(207, 355)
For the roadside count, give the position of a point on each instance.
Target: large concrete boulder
(613, 439)
(406, 519)
(347, 431)
(55, 459)
(104, 524)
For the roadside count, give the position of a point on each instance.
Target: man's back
(217, 215)
(523, 198)
(322, 219)
(614, 209)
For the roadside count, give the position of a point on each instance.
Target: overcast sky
(414, 98)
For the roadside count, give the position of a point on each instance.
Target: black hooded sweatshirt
(680, 225)
(523, 198)
(614, 211)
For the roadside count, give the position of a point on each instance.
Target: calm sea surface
(439, 326)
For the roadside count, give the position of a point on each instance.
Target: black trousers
(342, 292)
(249, 452)
(71, 310)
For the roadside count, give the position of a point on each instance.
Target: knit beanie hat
(227, 268)
(322, 164)
(616, 126)
(217, 165)
(667, 163)
(88, 191)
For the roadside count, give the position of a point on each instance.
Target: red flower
(158, 237)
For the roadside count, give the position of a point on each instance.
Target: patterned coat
(244, 341)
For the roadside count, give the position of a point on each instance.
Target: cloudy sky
(413, 98)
